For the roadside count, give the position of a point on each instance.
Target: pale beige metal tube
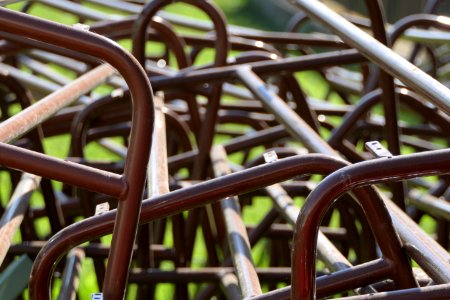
(30, 117)
(14, 213)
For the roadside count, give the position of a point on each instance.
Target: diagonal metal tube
(384, 57)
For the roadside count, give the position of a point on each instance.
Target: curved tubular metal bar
(388, 60)
(138, 153)
(150, 10)
(423, 20)
(284, 204)
(84, 118)
(311, 61)
(406, 97)
(175, 42)
(177, 45)
(205, 134)
(430, 8)
(344, 180)
(173, 203)
(435, 292)
(222, 46)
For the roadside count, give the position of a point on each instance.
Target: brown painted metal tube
(61, 170)
(236, 233)
(134, 173)
(305, 62)
(15, 211)
(388, 60)
(295, 38)
(205, 274)
(389, 97)
(29, 118)
(435, 292)
(173, 203)
(92, 250)
(326, 251)
(26, 42)
(347, 279)
(149, 10)
(351, 177)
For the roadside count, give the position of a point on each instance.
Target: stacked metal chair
(338, 185)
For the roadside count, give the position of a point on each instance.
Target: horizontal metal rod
(435, 292)
(205, 274)
(62, 170)
(290, 64)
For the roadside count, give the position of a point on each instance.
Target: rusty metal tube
(236, 233)
(30, 117)
(14, 213)
(70, 277)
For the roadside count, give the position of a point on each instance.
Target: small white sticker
(270, 157)
(97, 296)
(101, 208)
(82, 27)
